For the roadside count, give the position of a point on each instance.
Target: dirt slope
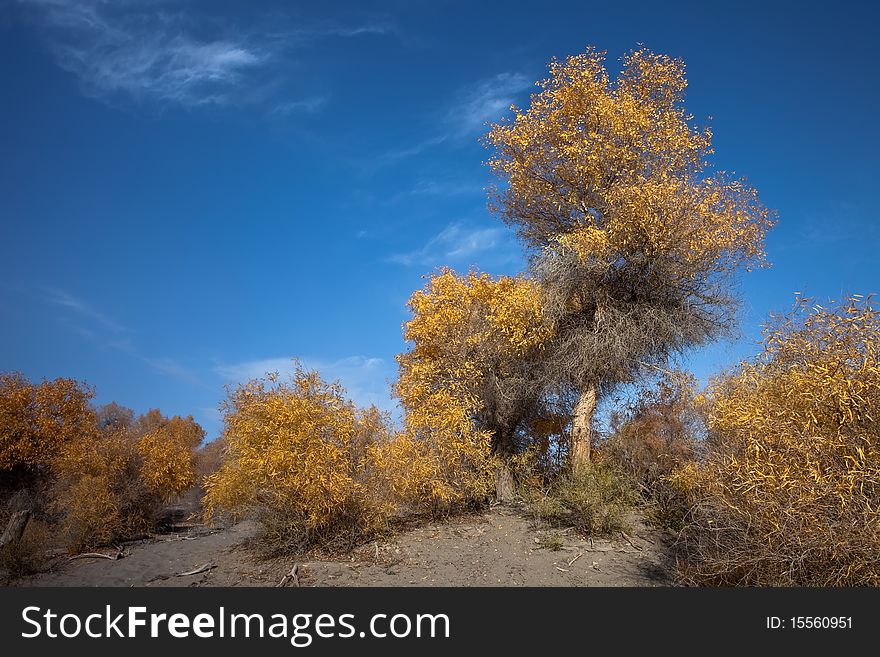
(498, 548)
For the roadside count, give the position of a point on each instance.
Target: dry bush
(594, 499)
(208, 459)
(168, 450)
(655, 437)
(112, 485)
(788, 493)
(300, 458)
(99, 495)
(100, 475)
(437, 466)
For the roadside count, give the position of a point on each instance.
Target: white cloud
(166, 56)
(366, 380)
(411, 151)
(458, 244)
(124, 50)
(487, 100)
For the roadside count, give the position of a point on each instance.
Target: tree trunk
(15, 528)
(505, 485)
(582, 428)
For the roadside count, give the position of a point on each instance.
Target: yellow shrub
(299, 456)
(168, 453)
(98, 492)
(111, 485)
(439, 462)
(790, 490)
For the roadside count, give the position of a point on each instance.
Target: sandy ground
(498, 548)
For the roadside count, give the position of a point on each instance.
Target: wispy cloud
(366, 380)
(434, 187)
(104, 329)
(132, 51)
(459, 244)
(410, 151)
(305, 105)
(162, 364)
(486, 100)
(82, 308)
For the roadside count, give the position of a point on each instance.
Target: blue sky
(193, 192)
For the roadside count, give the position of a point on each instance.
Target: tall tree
(633, 237)
(464, 382)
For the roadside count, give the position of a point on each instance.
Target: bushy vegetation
(594, 499)
(302, 459)
(659, 433)
(111, 485)
(316, 471)
(88, 476)
(788, 492)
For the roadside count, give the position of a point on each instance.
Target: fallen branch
(292, 576)
(201, 569)
(630, 542)
(100, 555)
(575, 558)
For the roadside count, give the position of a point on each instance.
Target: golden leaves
(617, 170)
(298, 449)
(464, 330)
(37, 421)
(795, 449)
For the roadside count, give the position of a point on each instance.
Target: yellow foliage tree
(790, 491)
(38, 421)
(98, 493)
(607, 182)
(101, 474)
(299, 455)
(458, 383)
(169, 452)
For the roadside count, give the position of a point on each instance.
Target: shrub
(789, 490)
(300, 458)
(463, 383)
(112, 486)
(37, 423)
(27, 555)
(169, 456)
(440, 463)
(594, 499)
(655, 437)
(100, 475)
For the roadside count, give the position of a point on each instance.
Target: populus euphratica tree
(465, 377)
(634, 239)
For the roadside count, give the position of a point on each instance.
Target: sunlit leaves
(38, 421)
(795, 447)
(616, 169)
(298, 451)
(467, 333)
